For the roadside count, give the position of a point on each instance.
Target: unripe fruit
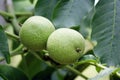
(35, 32)
(65, 46)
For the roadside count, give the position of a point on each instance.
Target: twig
(68, 67)
(4, 14)
(98, 65)
(36, 55)
(19, 48)
(12, 35)
(11, 11)
(76, 71)
(23, 13)
(116, 72)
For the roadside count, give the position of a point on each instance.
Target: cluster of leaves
(99, 24)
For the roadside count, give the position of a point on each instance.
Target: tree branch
(12, 35)
(76, 71)
(11, 11)
(5, 14)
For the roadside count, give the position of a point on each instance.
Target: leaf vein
(113, 27)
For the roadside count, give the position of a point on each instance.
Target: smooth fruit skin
(65, 46)
(35, 32)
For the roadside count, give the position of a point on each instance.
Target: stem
(118, 69)
(15, 51)
(45, 51)
(76, 71)
(86, 61)
(118, 74)
(4, 14)
(39, 58)
(12, 35)
(98, 65)
(23, 13)
(92, 62)
(36, 55)
(11, 11)
(68, 67)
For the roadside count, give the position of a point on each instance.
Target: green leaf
(87, 57)
(45, 74)
(4, 51)
(10, 73)
(22, 6)
(69, 13)
(77, 28)
(103, 74)
(85, 26)
(85, 61)
(45, 7)
(106, 31)
(31, 1)
(114, 77)
(30, 63)
(58, 75)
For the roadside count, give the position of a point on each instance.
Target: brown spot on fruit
(78, 50)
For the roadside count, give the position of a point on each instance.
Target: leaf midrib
(113, 27)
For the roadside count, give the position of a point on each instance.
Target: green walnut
(35, 32)
(65, 46)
